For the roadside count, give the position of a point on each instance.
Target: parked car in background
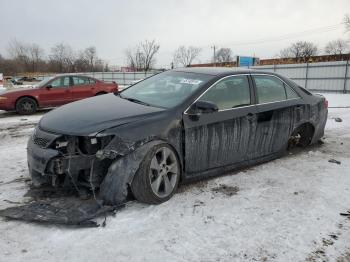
(53, 92)
(16, 81)
(28, 79)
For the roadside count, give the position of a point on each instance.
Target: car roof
(80, 75)
(217, 71)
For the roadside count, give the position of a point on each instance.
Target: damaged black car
(176, 126)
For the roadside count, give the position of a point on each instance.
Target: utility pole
(214, 58)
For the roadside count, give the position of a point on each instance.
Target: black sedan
(173, 127)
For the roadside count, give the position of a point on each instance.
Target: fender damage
(103, 175)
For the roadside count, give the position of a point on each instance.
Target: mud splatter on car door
(220, 138)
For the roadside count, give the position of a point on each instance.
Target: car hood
(90, 116)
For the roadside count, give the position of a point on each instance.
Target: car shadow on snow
(9, 114)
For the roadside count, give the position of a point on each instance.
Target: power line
(318, 30)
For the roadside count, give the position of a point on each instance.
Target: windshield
(166, 89)
(43, 82)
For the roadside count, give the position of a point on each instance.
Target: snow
(284, 210)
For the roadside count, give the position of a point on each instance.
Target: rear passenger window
(269, 89)
(92, 81)
(229, 93)
(80, 80)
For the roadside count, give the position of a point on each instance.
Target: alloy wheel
(164, 172)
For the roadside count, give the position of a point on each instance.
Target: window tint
(269, 89)
(60, 82)
(229, 92)
(81, 80)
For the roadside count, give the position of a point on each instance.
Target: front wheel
(26, 106)
(158, 176)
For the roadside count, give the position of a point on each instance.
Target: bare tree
(142, 57)
(36, 54)
(186, 55)
(62, 58)
(18, 51)
(27, 56)
(90, 55)
(347, 22)
(81, 64)
(301, 50)
(135, 58)
(224, 55)
(336, 47)
(149, 49)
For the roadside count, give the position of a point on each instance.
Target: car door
(82, 87)
(221, 138)
(276, 105)
(56, 92)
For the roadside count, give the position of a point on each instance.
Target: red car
(52, 92)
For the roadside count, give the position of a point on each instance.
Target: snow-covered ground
(285, 210)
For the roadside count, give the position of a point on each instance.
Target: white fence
(324, 76)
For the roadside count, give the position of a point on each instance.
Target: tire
(26, 106)
(100, 93)
(158, 176)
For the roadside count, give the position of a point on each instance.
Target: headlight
(90, 145)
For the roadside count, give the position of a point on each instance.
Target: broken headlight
(84, 145)
(90, 145)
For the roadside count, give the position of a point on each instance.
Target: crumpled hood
(92, 115)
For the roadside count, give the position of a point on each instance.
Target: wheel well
(306, 132)
(31, 97)
(179, 159)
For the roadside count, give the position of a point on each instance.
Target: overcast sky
(247, 27)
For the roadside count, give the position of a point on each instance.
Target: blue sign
(246, 61)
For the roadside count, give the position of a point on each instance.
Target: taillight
(325, 103)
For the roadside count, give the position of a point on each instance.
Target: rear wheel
(158, 176)
(26, 106)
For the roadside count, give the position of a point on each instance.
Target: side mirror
(48, 86)
(203, 107)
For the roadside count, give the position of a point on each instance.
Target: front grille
(41, 142)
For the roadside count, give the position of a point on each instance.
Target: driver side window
(229, 93)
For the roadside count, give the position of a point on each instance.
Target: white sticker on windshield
(190, 81)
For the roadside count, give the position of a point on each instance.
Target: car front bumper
(51, 167)
(6, 105)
